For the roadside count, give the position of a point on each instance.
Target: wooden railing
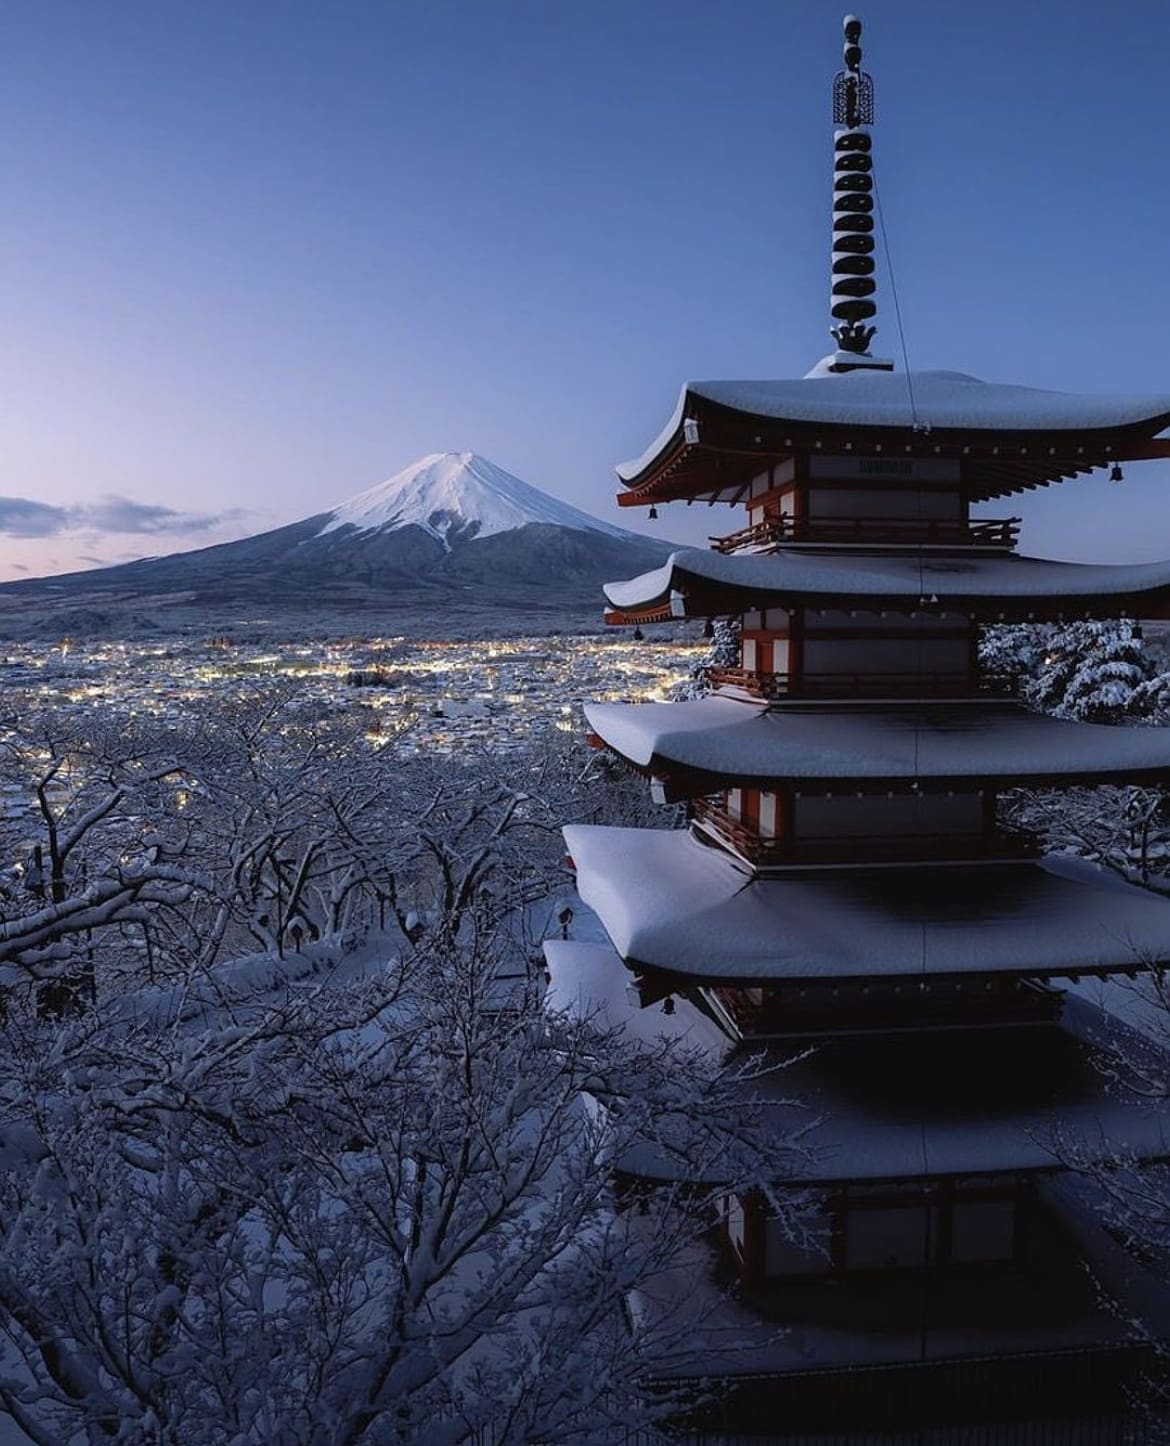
(772, 686)
(776, 531)
(910, 848)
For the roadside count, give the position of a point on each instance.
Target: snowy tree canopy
(1095, 671)
(149, 849)
(291, 1153)
(723, 653)
(367, 1201)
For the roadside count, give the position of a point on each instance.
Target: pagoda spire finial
(853, 285)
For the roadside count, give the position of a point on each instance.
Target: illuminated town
(436, 696)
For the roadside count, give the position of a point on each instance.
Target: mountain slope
(457, 497)
(451, 527)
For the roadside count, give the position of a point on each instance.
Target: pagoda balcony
(772, 687)
(960, 1355)
(781, 531)
(713, 819)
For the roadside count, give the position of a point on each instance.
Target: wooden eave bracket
(1034, 458)
(636, 617)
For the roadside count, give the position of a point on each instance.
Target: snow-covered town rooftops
(696, 583)
(1008, 438)
(902, 1105)
(673, 904)
(716, 739)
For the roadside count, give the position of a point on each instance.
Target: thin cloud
(120, 514)
(22, 517)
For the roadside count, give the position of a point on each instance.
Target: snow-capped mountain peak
(457, 496)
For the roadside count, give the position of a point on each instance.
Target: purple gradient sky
(257, 256)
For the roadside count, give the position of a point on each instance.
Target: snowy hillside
(457, 496)
(452, 536)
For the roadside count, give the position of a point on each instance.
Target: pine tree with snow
(1151, 700)
(1090, 671)
(1099, 672)
(723, 653)
(1096, 672)
(1011, 650)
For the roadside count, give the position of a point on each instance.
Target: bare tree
(373, 1207)
(86, 855)
(360, 1192)
(153, 849)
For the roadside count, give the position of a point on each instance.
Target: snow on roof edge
(945, 399)
(900, 575)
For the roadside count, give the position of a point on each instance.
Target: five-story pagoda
(844, 880)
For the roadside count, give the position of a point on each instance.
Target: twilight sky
(259, 254)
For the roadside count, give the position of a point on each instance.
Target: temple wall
(961, 1223)
(877, 656)
(772, 478)
(773, 620)
(764, 812)
(903, 503)
(876, 816)
(897, 1236)
(766, 653)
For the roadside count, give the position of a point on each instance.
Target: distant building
(844, 884)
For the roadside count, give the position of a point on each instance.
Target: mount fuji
(451, 531)
(458, 497)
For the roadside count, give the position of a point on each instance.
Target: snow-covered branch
(374, 1205)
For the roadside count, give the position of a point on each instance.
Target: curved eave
(670, 903)
(717, 742)
(619, 618)
(996, 461)
(694, 583)
(866, 1097)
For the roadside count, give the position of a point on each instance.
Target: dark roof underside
(1007, 453)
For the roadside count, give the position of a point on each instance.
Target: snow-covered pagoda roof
(1009, 437)
(877, 1100)
(587, 980)
(720, 738)
(696, 583)
(672, 903)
